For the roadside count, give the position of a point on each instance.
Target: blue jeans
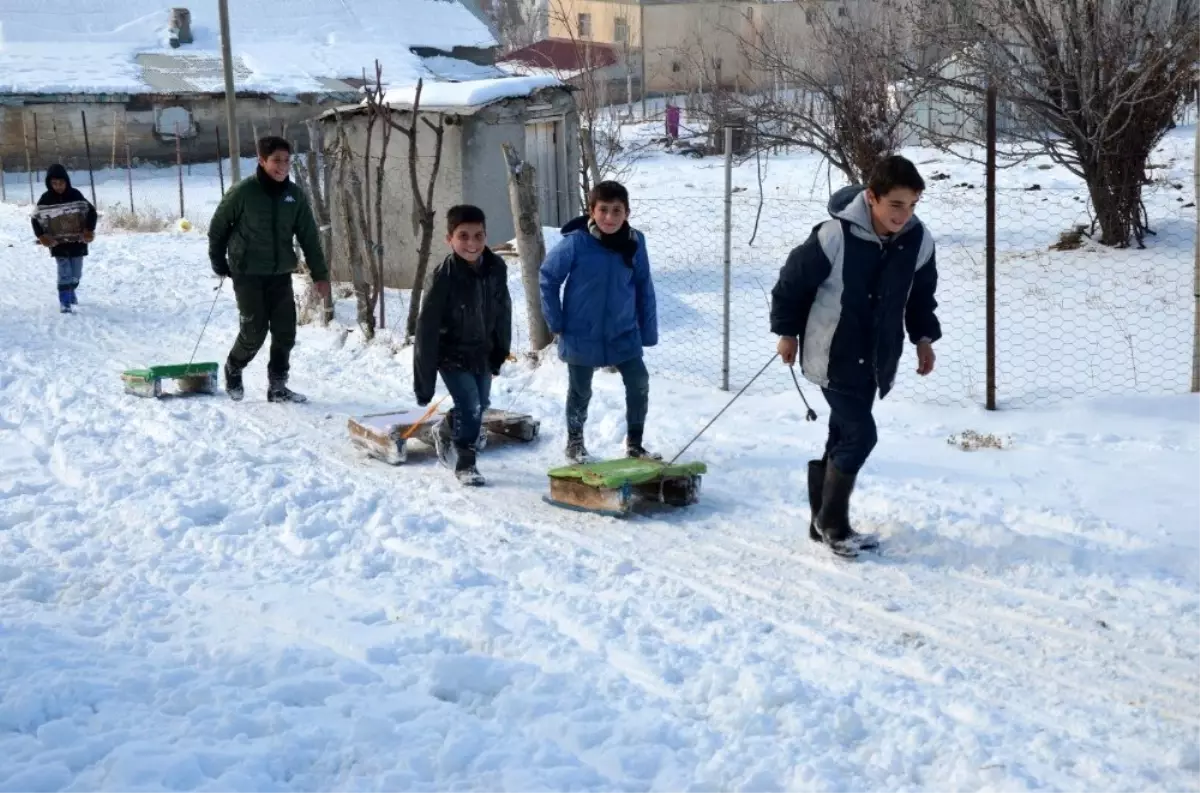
(470, 392)
(637, 395)
(852, 433)
(70, 270)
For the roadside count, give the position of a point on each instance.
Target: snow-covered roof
(280, 47)
(468, 96)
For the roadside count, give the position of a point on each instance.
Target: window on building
(750, 14)
(717, 63)
(842, 12)
(676, 66)
(620, 30)
(585, 25)
(809, 16)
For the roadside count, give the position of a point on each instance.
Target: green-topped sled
(190, 378)
(611, 487)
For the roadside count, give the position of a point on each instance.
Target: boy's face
(609, 215)
(277, 165)
(58, 185)
(893, 209)
(467, 241)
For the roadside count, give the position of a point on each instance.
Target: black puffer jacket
(465, 321)
(51, 198)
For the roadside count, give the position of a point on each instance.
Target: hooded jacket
(67, 250)
(465, 321)
(849, 295)
(602, 307)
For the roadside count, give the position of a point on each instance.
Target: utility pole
(642, 41)
(235, 149)
(1196, 275)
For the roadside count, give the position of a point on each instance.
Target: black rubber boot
(233, 383)
(277, 390)
(635, 449)
(833, 519)
(816, 481)
(464, 467)
(576, 452)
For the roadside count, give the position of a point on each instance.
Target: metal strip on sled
(63, 222)
(612, 487)
(385, 436)
(194, 378)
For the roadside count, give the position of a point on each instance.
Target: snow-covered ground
(201, 595)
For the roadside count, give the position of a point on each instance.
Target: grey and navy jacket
(849, 295)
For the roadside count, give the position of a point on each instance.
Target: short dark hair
(608, 191)
(271, 144)
(892, 172)
(464, 213)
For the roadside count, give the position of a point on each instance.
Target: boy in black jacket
(464, 333)
(843, 301)
(68, 255)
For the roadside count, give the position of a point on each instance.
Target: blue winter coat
(849, 295)
(602, 309)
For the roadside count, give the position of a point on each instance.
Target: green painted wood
(615, 473)
(172, 371)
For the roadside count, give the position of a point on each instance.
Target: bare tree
(1096, 82)
(832, 81)
(377, 112)
(604, 154)
(423, 210)
(531, 246)
(354, 225)
(312, 172)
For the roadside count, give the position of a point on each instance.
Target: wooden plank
(576, 495)
(384, 445)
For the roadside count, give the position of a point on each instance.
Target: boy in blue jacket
(843, 301)
(598, 299)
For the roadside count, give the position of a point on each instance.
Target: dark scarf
(270, 185)
(624, 241)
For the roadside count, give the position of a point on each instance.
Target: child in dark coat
(842, 304)
(598, 298)
(68, 255)
(464, 333)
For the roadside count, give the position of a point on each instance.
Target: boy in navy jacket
(67, 255)
(598, 298)
(842, 302)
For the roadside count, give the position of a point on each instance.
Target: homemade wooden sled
(385, 436)
(194, 378)
(611, 487)
(63, 222)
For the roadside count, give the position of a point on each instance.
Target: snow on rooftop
(469, 94)
(92, 46)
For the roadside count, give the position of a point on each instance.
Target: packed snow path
(196, 594)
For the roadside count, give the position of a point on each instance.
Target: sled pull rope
(429, 412)
(206, 320)
(727, 406)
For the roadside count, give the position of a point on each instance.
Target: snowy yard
(201, 595)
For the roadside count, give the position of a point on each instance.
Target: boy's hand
(925, 358)
(787, 348)
(46, 240)
(322, 288)
(89, 235)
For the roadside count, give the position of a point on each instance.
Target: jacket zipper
(275, 230)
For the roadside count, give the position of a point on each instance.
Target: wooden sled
(612, 487)
(385, 436)
(195, 378)
(63, 222)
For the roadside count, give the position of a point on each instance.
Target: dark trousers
(471, 393)
(637, 395)
(265, 303)
(852, 433)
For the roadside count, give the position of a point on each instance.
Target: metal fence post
(1196, 275)
(728, 255)
(990, 247)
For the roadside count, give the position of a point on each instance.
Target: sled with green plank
(612, 487)
(189, 378)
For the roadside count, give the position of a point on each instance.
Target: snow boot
(635, 449)
(443, 440)
(277, 390)
(64, 300)
(833, 518)
(816, 480)
(233, 383)
(577, 453)
(464, 467)
(71, 294)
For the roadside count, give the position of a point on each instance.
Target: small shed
(535, 115)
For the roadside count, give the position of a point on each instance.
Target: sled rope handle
(206, 320)
(417, 424)
(727, 406)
